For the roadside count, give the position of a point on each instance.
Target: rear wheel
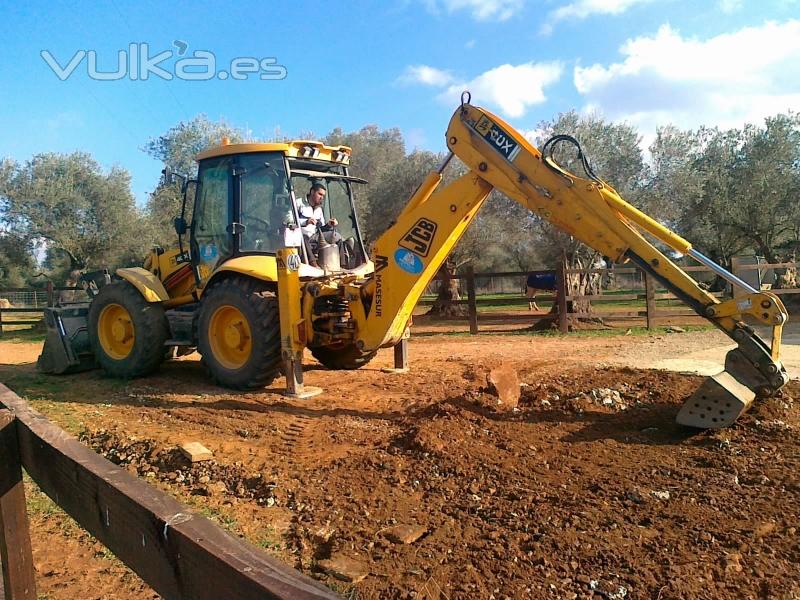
(126, 332)
(345, 357)
(239, 333)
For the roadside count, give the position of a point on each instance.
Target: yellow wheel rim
(116, 332)
(229, 337)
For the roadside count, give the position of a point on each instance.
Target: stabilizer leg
(400, 358)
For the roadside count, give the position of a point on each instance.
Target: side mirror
(170, 177)
(180, 225)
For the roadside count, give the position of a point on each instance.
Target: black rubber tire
(150, 327)
(342, 358)
(259, 306)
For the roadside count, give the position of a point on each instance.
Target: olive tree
(73, 206)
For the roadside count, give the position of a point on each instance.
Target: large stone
(405, 534)
(345, 569)
(503, 382)
(196, 452)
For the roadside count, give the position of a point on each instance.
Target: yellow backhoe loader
(245, 294)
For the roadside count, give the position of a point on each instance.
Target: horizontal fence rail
(180, 554)
(649, 296)
(650, 310)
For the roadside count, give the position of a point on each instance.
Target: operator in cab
(313, 224)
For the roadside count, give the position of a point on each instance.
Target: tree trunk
(448, 292)
(583, 283)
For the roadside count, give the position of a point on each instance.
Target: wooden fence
(650, 295)
(180, 554)
(51, 292)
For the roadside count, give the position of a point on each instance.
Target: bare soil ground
(586, 490)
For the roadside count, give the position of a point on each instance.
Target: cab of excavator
(249, 197)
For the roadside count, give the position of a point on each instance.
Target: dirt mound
(587, 489)
(170, 466)
(422, 486)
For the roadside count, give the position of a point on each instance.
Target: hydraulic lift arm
(408, 255)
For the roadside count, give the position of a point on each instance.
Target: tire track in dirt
(297, 443)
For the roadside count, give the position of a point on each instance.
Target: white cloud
(586, 8)
(481, 10)
(425, 75)
(512, 88)
(726, 80)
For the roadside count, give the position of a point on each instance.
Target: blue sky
(398, 63)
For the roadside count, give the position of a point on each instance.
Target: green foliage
(730, 191)
(612, 149)
(766, 185)
(394, 187)
(179, 145)
(375, 152)
(177, 149)
(16, 261)
(70, 204)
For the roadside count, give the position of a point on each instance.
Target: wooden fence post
(19, 581)
(650, 300)
(472, 306)
(561, 296)
(737, 271)
(51, 302)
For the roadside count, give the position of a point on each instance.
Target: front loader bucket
(66, 347)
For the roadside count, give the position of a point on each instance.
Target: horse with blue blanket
(539, 281)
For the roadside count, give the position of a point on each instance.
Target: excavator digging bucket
(66, 347)
(717, 403)
(724, 397)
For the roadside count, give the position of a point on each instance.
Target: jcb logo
(420, 237)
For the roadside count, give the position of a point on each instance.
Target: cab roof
(296, 148)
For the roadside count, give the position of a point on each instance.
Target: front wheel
(126, 332)
(239, 333)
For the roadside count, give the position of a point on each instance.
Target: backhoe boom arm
(408, 255)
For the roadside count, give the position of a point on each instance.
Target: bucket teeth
(717, 403)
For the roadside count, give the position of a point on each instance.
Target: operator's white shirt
(306, 212)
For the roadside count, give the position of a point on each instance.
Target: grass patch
(20, 334)
(62, 414)
(268, 539)
(554, 333)
(217, 515)
(29, 383)
(39, 504)
(616, 331)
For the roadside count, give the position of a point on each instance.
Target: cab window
(212, 238)
(264, 202)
